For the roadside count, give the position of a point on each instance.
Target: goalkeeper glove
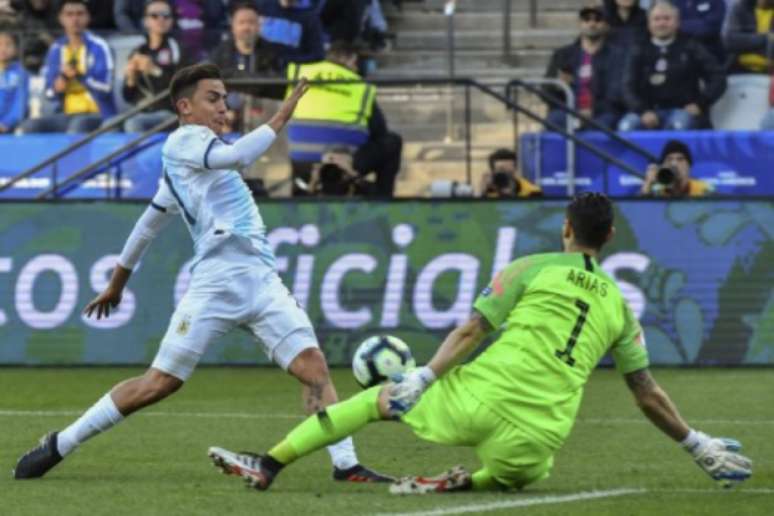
(718, 457)
(407, 388)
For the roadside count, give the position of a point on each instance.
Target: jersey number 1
(566, 353)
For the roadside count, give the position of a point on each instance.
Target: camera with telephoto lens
(666, 176)
(503, 183)
(333, 180)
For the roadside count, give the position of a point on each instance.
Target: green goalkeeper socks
(329, 426)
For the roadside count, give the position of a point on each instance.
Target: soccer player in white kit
(234, 281)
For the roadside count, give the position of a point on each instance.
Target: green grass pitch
(155, 462)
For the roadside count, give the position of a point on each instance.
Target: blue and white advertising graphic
(698, 274)
(733, 162)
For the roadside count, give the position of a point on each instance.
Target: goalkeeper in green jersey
(516, 402)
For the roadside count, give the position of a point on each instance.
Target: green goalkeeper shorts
(448, 414)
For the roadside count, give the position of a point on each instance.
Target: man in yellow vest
(341, 114)
(672, 176)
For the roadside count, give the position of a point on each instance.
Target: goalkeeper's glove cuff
(695, 442)
(426, 374)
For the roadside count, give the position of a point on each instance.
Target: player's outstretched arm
(252, 145)
(656, 404)
(148, 226)
(398, 397)
(718, 457)
(459, 343)
(285, 111)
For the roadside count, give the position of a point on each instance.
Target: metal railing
(467, 83)
(569, 127)
(73, 181)
(110, 126)
(572, 112)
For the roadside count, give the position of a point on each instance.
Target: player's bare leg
(318, 393)
(125, 398)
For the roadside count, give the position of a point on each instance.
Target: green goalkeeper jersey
(560, 314)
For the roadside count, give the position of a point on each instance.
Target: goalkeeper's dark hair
(184, 82)
(590, 215)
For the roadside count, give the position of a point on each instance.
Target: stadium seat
(743, 104)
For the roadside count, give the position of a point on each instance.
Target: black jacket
(264, 63)
(688, 63)
(626, 32)
(742, 35)
(605, 83)
(168, 59)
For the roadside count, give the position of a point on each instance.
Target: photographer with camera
(335, 176)
(504, 179)
(671, 177)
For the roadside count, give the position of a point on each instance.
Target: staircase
(434, 147)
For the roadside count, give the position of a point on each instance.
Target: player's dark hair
(184, 81)
(63, 3)
(591, 217)
(501, 155)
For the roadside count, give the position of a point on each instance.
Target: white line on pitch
(724, 492)
(235, 415)
(257, 415)
(522, 502)
(636, 421)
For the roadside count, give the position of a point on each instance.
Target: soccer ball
(380, 357)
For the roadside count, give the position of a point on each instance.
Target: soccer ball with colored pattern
(380, 357)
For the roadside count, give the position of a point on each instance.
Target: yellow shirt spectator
(77, 99)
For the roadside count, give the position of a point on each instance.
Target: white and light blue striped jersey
(215, 204)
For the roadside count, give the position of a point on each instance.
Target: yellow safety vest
(345, 104)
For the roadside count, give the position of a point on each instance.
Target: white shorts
(215, 304)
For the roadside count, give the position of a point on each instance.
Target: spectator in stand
(749, 36)
(151, 66)
(627, 20)
(9, 15)
(14, 85)
(671, 177)
(78, 76)
(344, 115)
(128, 15)
(200, 25)
(590, 67)
(703, 21)
(245, 53)
(670, 81)
(101, 13)
(294, 27)
(40, 24)
(343, 19)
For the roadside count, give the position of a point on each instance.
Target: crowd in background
(663, 65)
(84, 89)
(63, 42)
(635, 65)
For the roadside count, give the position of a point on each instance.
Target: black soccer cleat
(359, 473)
(36, 462)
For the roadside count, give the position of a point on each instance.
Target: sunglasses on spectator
(163, 15)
